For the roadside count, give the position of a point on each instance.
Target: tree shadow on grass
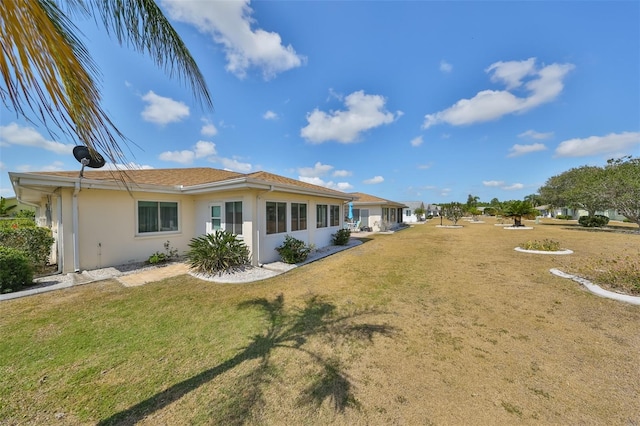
(285, 330)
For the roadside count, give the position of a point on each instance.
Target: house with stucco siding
(106, 218)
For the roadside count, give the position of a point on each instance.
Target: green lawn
(424, 326)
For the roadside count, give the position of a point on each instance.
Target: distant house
(408, 213)
(551, 212)
(108, 218)
(433, 210)
(376, 213)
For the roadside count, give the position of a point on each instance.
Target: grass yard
(425, 326)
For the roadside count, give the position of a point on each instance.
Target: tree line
(615, 186)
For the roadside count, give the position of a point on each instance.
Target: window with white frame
(233, 217)
(276, 217)
(334, 217)
(157, 216)
(322, 219)
(298, 216)
(227, 216)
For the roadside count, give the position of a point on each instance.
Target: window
(276, 217)
(321, 216)
(407, 213)
(233, 217)
(155, 216)
(216, 218)
(298, 217)
(335, 215)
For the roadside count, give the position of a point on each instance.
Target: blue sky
(426, 101)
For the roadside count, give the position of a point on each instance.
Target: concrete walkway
(151, 274)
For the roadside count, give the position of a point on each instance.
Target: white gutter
(76, 239)
(59, 239)
(258, 227)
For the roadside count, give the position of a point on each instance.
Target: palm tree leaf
(142, 24)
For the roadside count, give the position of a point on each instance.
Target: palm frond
(47, 69)
(141, 24)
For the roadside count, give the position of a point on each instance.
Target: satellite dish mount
(86, 158)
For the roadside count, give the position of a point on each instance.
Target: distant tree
(4, 209)
(474, 212)
(419, 212)
(578, 188)
(534, 199)
(453, 211)
(622, 183)
(517, 210)
(472, 201)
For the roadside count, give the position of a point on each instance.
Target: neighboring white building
(408, 213)
(108, 218)
(376, 213)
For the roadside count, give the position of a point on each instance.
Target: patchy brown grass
(425, 326)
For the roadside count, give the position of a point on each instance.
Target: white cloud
(513, 187)
(183, 157)
(204, 149)
(342, 173)
(339, 186)
(535, 135)
(56, 166)
(2, 166)
(445, 66)
(235, 165)
(161, 110)
(501, 184)
(543, 85)
(317, 170)
(615, 144)
(200, 149)
(425, 166)
(517, 149)
(128, 166)
(270, 115)
(417, 141)
(208, 129)
(313, 175)
(229, 23)
(511, 73)
(14, 134)
(373, 180)
(363, 112)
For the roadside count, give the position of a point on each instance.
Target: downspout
(258, 196)
(76, 239)
(60, 236)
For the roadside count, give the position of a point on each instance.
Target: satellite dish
(84, 157)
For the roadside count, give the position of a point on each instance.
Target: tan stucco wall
(107, 225)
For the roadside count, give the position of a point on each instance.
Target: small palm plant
(217, 252)
(517, 210)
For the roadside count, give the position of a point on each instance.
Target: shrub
(15, 269)
(341, 237)
(217, 252)
(595, 221)
(159, 257)
(564, 217)
(620, 274)
(544, 245)
(293, 250)
(34, 241)
(17, 223)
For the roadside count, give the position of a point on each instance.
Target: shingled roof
(362, 198)
(188, 177)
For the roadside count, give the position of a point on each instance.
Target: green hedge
(16, 223)
(34, 242)
(15, 269)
